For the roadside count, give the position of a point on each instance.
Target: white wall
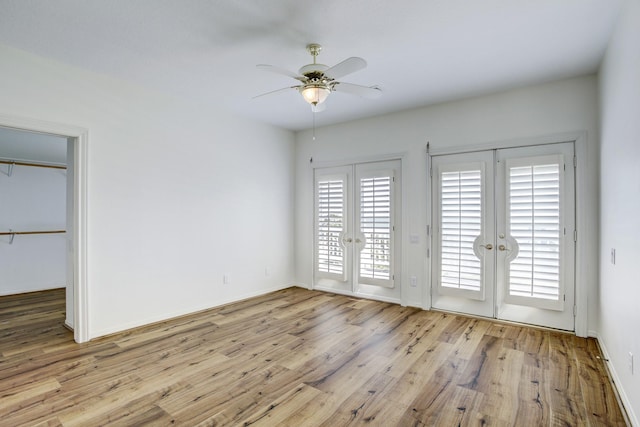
(620, 205)
(178, 194)
(33, 199)
(546, 109)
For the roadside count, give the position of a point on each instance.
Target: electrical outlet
(630, 362)
(225, 279)
(413, 281)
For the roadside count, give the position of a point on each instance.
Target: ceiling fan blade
(282, 71)
(319, 107)
(275, 91)
(348, 66)
(371, 92)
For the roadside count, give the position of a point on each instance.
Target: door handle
(477, 244)
(503, 248)
(347, 240)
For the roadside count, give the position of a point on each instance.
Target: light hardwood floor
(297, 358)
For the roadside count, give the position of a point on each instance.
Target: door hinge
(575, 161)
(575, 310)
(428, 253)
(575, 235)
(428, 229)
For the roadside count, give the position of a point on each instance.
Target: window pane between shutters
(376, 226)
(534, 219)
(330, 220)
(460, 223)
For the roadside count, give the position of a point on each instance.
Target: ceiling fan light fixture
(315, 94)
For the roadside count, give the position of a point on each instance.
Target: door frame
(77, 260)
(402, 240)
(579, 138)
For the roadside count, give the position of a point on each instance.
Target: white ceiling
(419, 52)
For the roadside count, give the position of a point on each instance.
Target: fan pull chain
(314, 125)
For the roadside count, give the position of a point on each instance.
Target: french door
(356, 212)
(503, 240)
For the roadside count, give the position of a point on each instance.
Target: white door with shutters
(506, 248)
(333, 198)
(535, 235)
(463, 272)
(356, 212)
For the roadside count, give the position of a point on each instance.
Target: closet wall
(33, 199)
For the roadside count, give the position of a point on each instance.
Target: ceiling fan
(317, 81)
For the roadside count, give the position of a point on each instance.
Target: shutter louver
(461, 223)
(534, 221)
(376, 226)
(330, 253)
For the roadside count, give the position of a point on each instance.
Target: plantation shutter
(460, 225)
(330, 226)
(535, 222)
(377, 229)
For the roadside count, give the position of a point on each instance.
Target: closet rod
(39, 165)
(10, 233)
(14, 233)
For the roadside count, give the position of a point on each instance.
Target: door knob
(347, 240)
(503, 248)
(358, 240)
(488, 246)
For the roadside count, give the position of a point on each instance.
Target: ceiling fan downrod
(314, 50)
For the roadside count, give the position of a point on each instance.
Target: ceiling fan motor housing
(313, 69)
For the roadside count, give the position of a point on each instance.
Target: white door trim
(583, 198)
(79, 137)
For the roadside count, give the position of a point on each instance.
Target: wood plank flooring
(297, 358)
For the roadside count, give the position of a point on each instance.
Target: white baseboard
(363, 296)
(180, 313)
(28, 291)
(626, 402)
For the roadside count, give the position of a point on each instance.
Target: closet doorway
(43, 158)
